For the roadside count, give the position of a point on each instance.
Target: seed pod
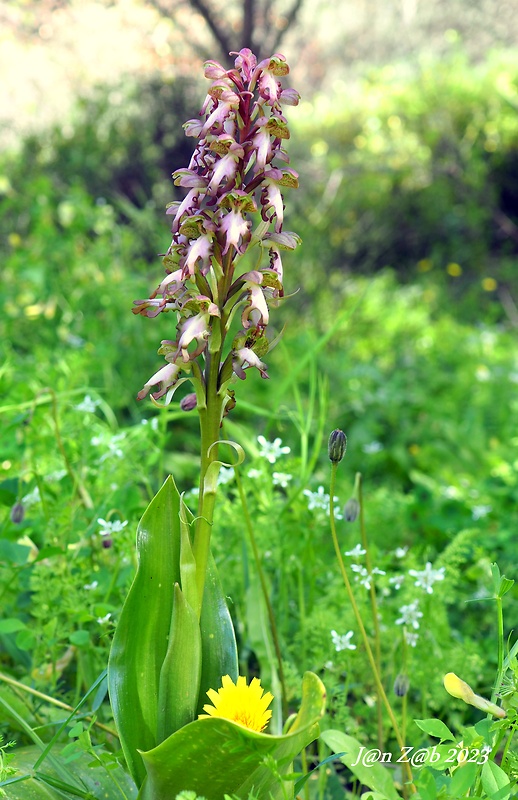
(351, 509)
(337, 446)
(401, 685)
(17, 513)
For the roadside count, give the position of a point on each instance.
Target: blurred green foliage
(412, 171)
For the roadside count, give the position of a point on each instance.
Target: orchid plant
(174, 645)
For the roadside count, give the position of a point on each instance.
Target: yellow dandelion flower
(240, 703)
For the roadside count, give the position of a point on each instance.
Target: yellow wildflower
(458, 688)
(240, 703)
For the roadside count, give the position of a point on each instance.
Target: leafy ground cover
(426, 395)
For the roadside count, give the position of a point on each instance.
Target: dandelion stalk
(374, 603)
(361, 626)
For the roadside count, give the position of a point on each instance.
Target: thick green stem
(210, 421)
(363, 632)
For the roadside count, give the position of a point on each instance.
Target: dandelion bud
(401, 685)
(17, 513)
(351, 509)
(188, 403)
(337, 446)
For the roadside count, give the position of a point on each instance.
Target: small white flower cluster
(342, 642)
(272, 450)
(153, 423)
(281, 479)
(372, 447)
(108, 528)
(320, 499)
(410, 616)
(112, 445)
(32, 498)
(427, 576)
(479, 512)
(363, 576)
(88, 405)
(225, 475)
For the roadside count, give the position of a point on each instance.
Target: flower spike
(233, 202)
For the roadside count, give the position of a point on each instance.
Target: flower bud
(337, 446)
(401, 685)
(458, 688)
(17, 513)
(351, 509)
(188, 403)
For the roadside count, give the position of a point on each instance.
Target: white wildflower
(320, 499)
(281, 479)
(226, 475)
(108, 528)
(55, 476)
(410, 615)
(88, 405)
(32, 498)
(342, 642)
(90, 586)
(478, 512)
(410, 638)
(356, 552)
(372, 447)
(427, 577)
(272, 450)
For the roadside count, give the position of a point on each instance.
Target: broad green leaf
(14, 553)
(187, 561)
(373, 775)
(261, 641)
(11, 624)
(141, 637)
(218, 640)
(425, 782)
(180, 674)
(302, 732)
(463, 779)
(495, 781)
(435, 727)
(214, 756)
(112, 784)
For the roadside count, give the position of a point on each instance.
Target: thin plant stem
(264, 588)
(82, 490)
(363, 632)
(404, 704)
(47, 699)
(304, 763)
(500, 633)
(374, 607)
